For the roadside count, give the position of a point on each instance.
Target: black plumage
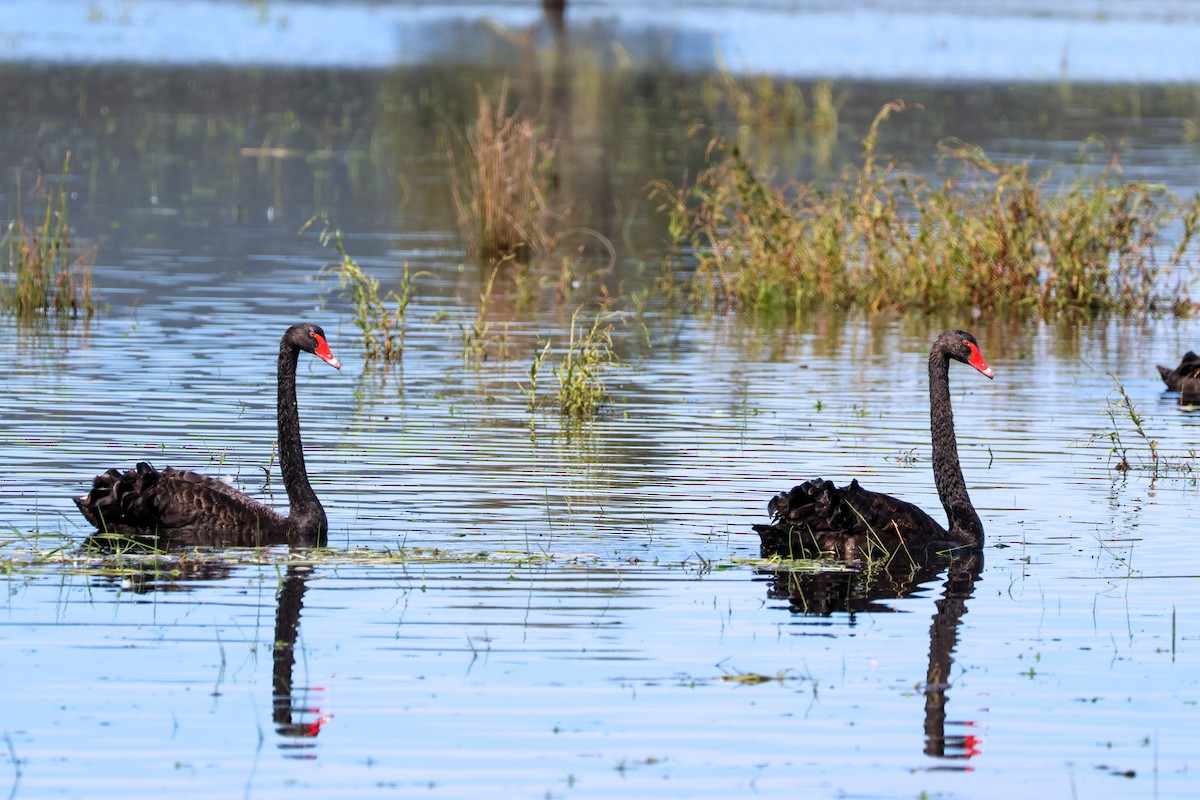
(1189, 368)
(819, 519)
(184, 507)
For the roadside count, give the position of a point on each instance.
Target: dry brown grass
(499, 187)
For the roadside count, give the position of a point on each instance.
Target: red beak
(976, 360)
(327, 356)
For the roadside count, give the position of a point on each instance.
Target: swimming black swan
(817, 519)
(188, 508)
(1189, 367)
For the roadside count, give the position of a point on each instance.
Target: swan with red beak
(818, 519)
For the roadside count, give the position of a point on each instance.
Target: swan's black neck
(305, 515)
(965, 526)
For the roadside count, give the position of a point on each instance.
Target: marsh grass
(18, 548)
(587, 359)
(579, 371)
(380, 319)
(476, 335)
(504, 169)
(47, 271)
(530, 390)
(1131, 444)
(1119, 411)
(996, 239)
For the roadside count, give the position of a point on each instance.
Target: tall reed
(499, 185)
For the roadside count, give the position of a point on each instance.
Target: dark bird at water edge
(818, 519)
(182, 507)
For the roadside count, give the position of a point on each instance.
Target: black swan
(185, 507)
(817, 519)
(1189, 367)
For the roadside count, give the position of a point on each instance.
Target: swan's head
(961, 346)
(311, 339)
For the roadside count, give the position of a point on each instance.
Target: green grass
(772, 119)
(991, 239)
(48, 272)
(1131, 445)
(588, 358)
(380, 320)
(475, 336)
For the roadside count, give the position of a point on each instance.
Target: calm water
(573, 610)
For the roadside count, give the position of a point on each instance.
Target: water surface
(514, 607)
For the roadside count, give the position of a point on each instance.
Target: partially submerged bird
(818, 519)
(1189, 367)
(184, 507)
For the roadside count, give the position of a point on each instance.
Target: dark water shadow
(853, 592)
(297, 719)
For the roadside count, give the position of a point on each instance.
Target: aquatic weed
(878, 238)
(475, 337)
(589, 355)
(47, 271)
(1124, 418)
(382, 327)
(530, 390)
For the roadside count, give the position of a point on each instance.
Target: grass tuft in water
(382, 325)
(588, 358)
(1131, 446)
(995, 239)
(1120, 410)
(530, 390)
(475, 337)
(47, 271)
(499, 191)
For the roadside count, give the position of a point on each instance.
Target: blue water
(965, 40)
(515, 608)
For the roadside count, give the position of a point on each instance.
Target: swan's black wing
(177, 505)
(818, 519)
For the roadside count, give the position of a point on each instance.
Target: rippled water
(514, 608)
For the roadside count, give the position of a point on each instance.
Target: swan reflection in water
(855, 591)
(297, 718)
(291, 720)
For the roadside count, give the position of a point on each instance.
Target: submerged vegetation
(879, 238)
(47, 272)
